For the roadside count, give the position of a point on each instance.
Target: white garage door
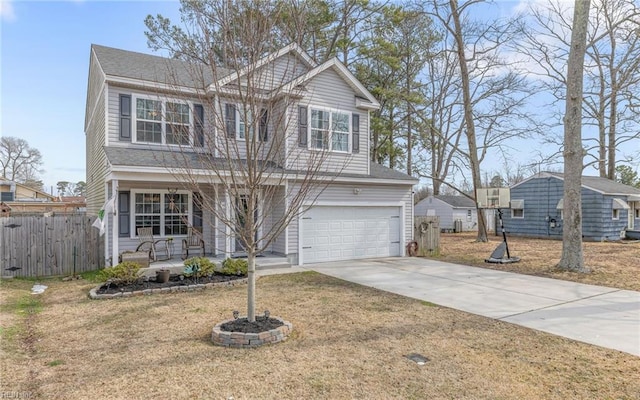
(347, 233)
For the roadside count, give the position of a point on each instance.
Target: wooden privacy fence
(34, 246)
(426, 232)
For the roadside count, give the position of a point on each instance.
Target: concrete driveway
(597, 315)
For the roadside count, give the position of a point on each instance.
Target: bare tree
(612, 71)
(572, 258)
(19, 161)
(247, 161)
(493, 94)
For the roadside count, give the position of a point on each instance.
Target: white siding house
(450, 209)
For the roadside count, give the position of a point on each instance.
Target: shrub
(198, 267)
(124, 273)
(234, 266)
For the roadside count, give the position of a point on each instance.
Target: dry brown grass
(348, 342)
(613, 264)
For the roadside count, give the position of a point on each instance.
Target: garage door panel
(343, 233)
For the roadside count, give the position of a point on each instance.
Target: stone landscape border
(93, 293)
(248, 340)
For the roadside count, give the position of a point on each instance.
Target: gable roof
(118, 63)
(364, 98)
(595, 183)
(291, 48)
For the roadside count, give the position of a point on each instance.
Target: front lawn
(348, 342)
(613, 264)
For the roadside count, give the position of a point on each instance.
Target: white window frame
(615, 214)
(162, 214)
(163, 119)
(513, 211)
(331, 111)
(241, 133)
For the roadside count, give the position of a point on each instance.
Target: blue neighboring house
(609, 209)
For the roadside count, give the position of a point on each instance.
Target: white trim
(227, 228)
(162, 121)
(331, 111)
(115, 234)
(132, 207)
(286, 212)
(106, 222)
(300, 238)
(152, 86)
(615, 214)
(619, 204)
(293, 47)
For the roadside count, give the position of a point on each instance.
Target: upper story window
(241, 124)
(150, 120)
(330, 130)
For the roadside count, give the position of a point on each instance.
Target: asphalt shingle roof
(604, 185)
(130, 64)
(457, 201)
(140, 157)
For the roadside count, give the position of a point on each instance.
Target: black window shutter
(124, 214)
(198, 111)
(263, 132)
(230, 120)
(125, 117)
(302, 126)
(355, 131)
(197, 211)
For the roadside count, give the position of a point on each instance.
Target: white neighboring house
(451, 208)
(366, 212)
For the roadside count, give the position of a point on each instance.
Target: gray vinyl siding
(95, 83)
(329, 91)
(343, 195)
(96, 159)
(114, 116)
(276, 73)
(447, 214)
(541, 197)
(132, 242)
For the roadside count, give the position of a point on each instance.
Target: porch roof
(149, 158)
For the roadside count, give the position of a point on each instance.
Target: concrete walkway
(597, 315)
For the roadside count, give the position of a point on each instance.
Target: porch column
(227, 229)
(115, 228)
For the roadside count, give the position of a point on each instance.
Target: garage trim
(307, 206)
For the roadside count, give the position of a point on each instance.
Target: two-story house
(135, 102)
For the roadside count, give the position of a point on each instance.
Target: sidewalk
(597, 315)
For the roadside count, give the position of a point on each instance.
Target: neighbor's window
(637, 212)
(469, 215)
(167, 214)
(615, 214)
(162, 122)
(330, 130)
(517, 208)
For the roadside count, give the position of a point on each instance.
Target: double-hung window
(330, 130)
(162, 122)
(166, 213)
(245, 125)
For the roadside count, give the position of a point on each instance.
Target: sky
(44, 66)
(44, 63)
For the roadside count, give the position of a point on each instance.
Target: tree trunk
(468, 116)
(572, 256)
(251, 284)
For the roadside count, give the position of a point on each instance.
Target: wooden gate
(426, 232)
(35, 245)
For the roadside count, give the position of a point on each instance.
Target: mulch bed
(174, 281)
(261, 324)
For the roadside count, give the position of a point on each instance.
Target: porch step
(271, 264)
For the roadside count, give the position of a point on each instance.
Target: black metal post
(504, 234)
